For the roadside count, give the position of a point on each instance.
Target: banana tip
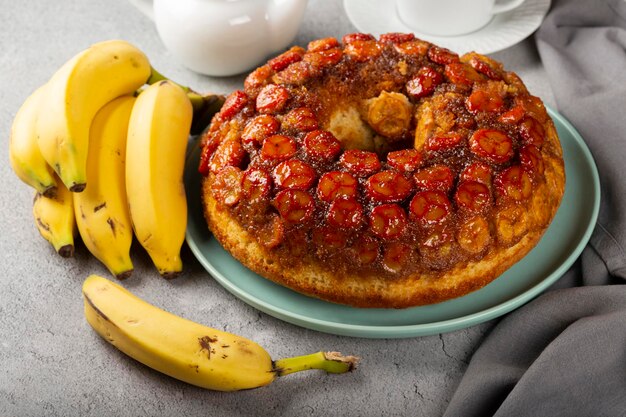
(50, 192)
(77, 188)
(169, 275)
(351, 361)
(66, 251)
(124, 275)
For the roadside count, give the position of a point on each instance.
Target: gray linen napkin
(564, 354)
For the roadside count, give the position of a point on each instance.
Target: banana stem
(197, 101)
(204, 106)
(331, 362)
(156, 76)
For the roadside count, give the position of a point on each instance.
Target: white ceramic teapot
(224, 37)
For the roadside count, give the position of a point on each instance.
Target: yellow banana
(24, 154)
(101, 209)
(189, 351)
(155, 158)
(54, 218)
(74, 95)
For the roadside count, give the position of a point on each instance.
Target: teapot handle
(144, 6)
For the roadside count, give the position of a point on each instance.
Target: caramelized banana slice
(474, 235)
(511, 224)
(425, 124)
(389, 114)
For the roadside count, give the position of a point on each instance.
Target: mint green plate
(546, 263)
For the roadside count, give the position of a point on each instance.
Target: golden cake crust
(481, 184)
(370, 291)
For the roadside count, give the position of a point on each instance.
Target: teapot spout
(284, 17)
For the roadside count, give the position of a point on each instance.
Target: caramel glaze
(366, 68)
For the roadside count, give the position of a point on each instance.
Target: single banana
(155, 159)
(101, 209)
(189, 351)
(54, 218)
(24, 154)
(74, 95)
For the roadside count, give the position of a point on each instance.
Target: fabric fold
(561, 355)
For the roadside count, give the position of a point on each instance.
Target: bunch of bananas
(105, 155)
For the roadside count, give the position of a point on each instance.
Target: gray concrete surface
(53, 364)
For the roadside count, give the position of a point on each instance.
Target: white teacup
(451, 17)
(224, 37)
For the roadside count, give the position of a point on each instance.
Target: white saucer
(504, 30)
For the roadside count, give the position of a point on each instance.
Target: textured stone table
(53, 364)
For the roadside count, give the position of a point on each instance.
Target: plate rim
(421, 329)
(466, 39)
